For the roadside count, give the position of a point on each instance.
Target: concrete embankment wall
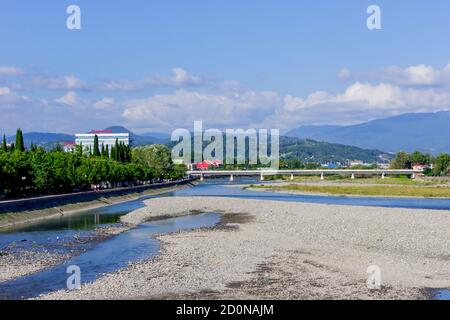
(27, 210)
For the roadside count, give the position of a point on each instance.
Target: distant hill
(323, 152)
(311, 131)
(157, 135)
(139, 140)
(304, 149)
(42, 138)
(426, 132)
(48, 140)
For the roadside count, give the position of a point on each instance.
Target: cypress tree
(128, 149)
(107, 151)
(113, 151)
(103, 151)
(116, 150)
(19, 141)
(4, 145)
(121, 154)
(96, 149)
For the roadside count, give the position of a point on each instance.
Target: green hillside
(308, 150)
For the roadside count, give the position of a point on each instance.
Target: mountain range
(303, 149)
(142, 139)
(48, 139)
(425, 132)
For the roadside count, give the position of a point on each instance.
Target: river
(95, 259)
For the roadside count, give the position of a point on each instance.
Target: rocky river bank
(284, 250)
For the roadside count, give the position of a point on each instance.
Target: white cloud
(413, 76)
(184, 107)
(228, 104)
(115, 85)
(344, 74)
(104, 103)
(70, 98)
(418, 75)
(54, 83)
(180, 78)
(10, 70)
(359, 102)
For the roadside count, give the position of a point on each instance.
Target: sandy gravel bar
(13, 265)
(285, 250)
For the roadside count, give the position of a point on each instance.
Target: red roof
(69, 143)
(101, 131)
(208, 163)
(202, 165)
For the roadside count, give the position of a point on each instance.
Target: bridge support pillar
(413, 176)
(231, 178)
(353, 176)
(262, 177)
(201, 177)
(322, 176)
(292, 177)
(383, 175)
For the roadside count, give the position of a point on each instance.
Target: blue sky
(158, 65)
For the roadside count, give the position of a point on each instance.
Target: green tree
(4, 145)
(401, 161)
(112, 155)
(116, 151)
(96, 152)
(19, 141)
(16, 174)
(58, 148)
(41, 172)
(420, 158)
(157, 157)
(33, 147)
(103, 152)
(442, 164)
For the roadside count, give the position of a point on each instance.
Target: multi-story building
(105, 137)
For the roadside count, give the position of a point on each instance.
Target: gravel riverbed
(284, 250)
(15, 263)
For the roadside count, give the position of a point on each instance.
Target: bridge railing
(352, 172)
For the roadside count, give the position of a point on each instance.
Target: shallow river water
(58, 234)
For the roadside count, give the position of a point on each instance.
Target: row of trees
(36, 171)
(439, 165)
(119, 151)
(19, 145)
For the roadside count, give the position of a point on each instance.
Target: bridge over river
(322, 173)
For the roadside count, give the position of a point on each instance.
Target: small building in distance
(69, 146)
(105, 137)
(331, 165)
(384, 166)
(207, 164)
(420, 167)
(355, 163)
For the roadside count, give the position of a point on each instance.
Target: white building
(105, 137)
(69, 146)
